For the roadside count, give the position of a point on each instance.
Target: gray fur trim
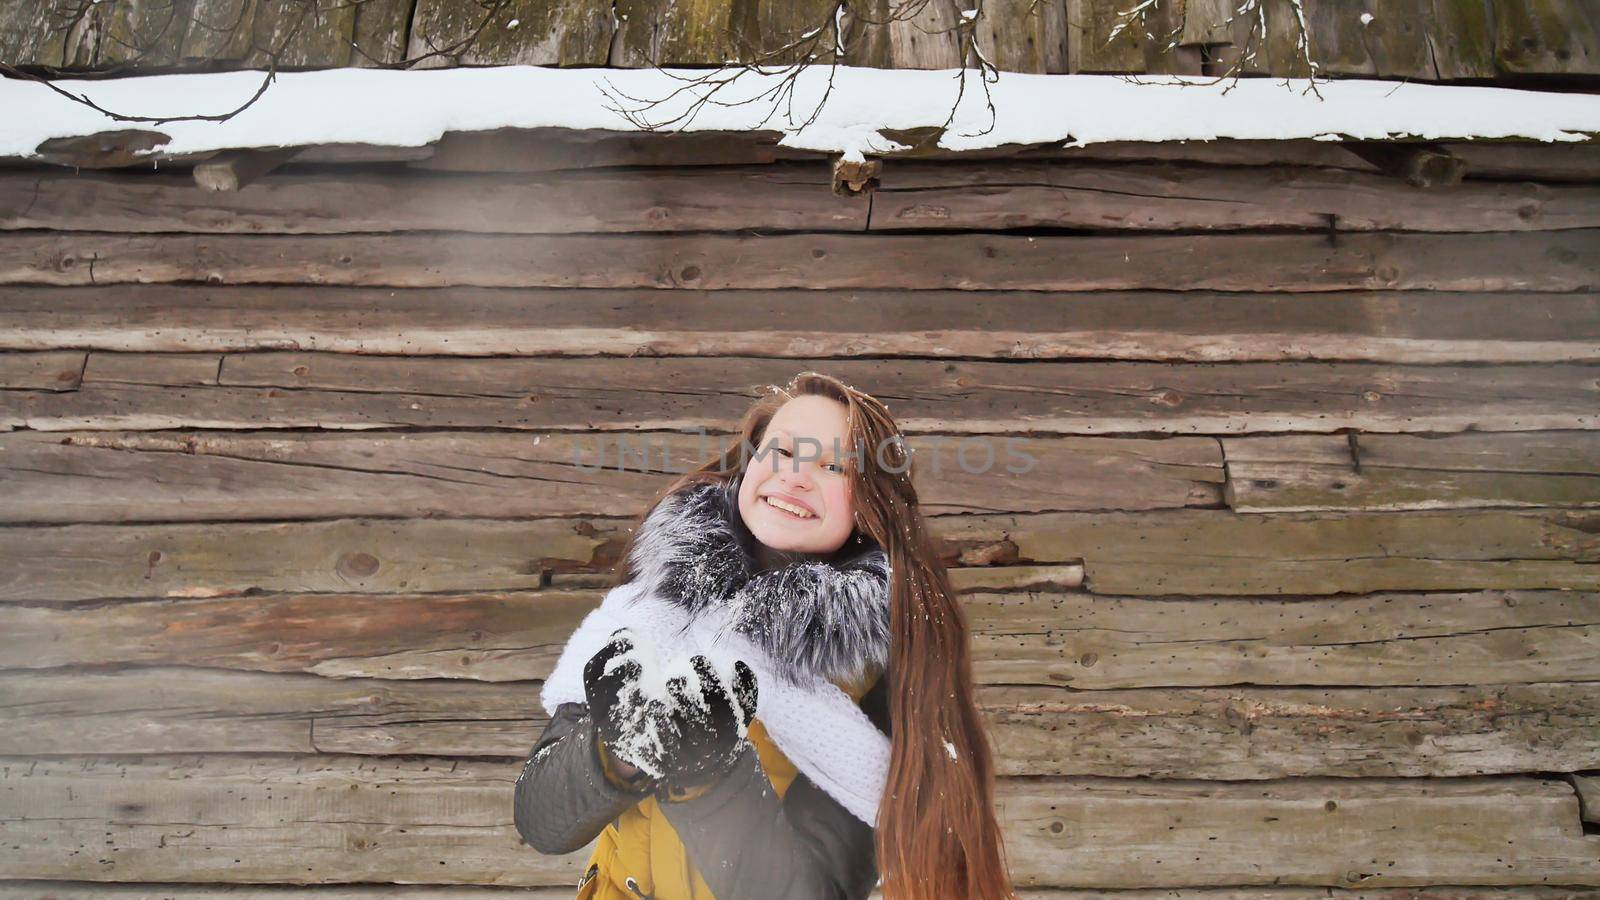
(826, 618)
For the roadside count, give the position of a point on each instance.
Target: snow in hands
(683, 721)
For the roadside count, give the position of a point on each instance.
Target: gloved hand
(705, 722)
(625, 718)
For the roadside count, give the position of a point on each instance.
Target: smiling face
(817, 512)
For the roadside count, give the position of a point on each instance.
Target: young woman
(775, 700)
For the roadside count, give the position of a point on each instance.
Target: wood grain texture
(1546, 36)
(550, 149)
(337, 818)
(1405, 471)
(78, 890)
(110, 477)
(1245, 734)
(1210, 552)
(30, 34)
(779, 198)
(345, 391)
(1158, 553)
(794, 197)
(47, 370)
(520, 32)
(1193, 326)
(1089, 643)
(1024, 35)
(1539, 261)
(1156, 197)
(382, 28)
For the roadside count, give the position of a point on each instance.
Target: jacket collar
(815, 617)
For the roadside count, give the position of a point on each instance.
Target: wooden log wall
(1428, 40)
(305, 486)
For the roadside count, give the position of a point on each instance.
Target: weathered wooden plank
(794, 197)
(346, 391)
(1215, 734)
(32, 889)
(786, 198)
(1402, 471)
(1175, 197)
(1546, 37)
(381, 30)
(1086, 642)
(1023, 35)
(548, 149)
(1208, 552)
(1267, 40)
(1098, 643)
(1418, 164)
(789, 32)
(520, 32)
(484, 637)
(1091, 47)
(171, 369)
(1461, 38)
(1199, 326)
(337, 819)
(1205, 22)
(219, 30)
(1398, 37)
(107, 149)
(303, 819)
(235, 169)
(1183, 552)
(143, 33)
(77, 890)
(187, 710)
(378, 556)
(31, 34)
(1344, 45)
(1492, 159)
(91, 477)
(1488, 159)
(1254, 733)
(680, 33)
(49, 370)
(1542, 261)
(895, 34)
(1589, 796)
(301, 35)
(1373, 832)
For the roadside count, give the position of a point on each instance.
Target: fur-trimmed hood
(825, 618)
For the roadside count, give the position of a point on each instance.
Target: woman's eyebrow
(827, 452)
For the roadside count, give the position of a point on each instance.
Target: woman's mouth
(787, 509)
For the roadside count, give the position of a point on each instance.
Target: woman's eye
(783, 451)
(835, 467)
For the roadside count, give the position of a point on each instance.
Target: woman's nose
(798, 477)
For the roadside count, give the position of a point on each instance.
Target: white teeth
(788, 507)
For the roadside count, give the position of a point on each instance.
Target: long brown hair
(936, 835)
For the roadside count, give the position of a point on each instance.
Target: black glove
(704, 730)
(623, 717)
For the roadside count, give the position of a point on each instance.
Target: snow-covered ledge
(415, 108)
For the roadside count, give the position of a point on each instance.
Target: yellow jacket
(640, 855)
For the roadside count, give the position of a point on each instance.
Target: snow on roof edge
(414, 108)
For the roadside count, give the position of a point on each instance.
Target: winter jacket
(764, 830)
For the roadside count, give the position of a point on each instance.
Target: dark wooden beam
(1422, 165)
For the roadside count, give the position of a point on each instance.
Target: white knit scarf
(813, 721)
